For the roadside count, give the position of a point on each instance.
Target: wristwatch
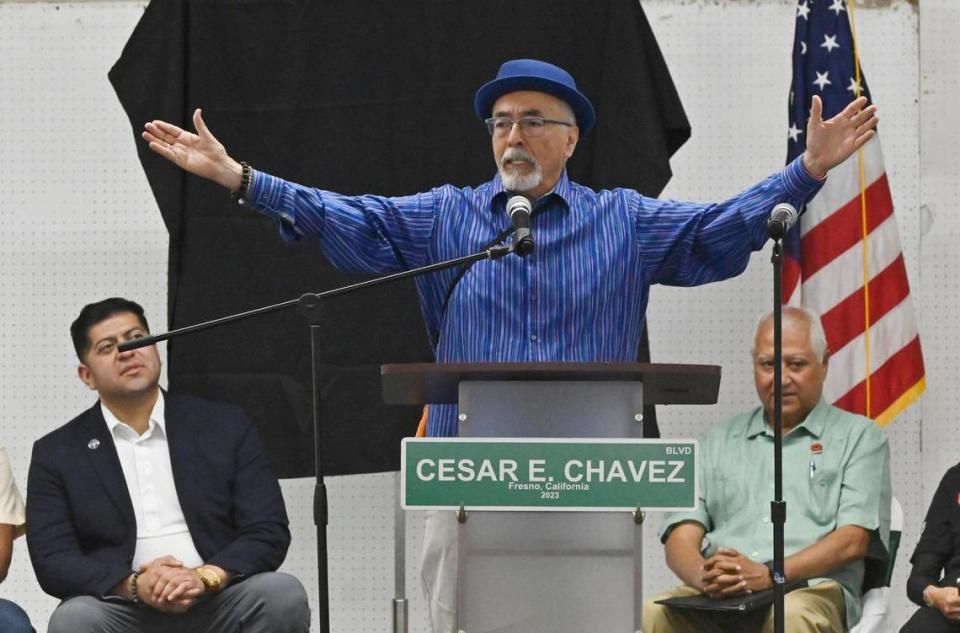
(210, 579)
(769, 565)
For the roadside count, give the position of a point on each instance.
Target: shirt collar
(812, 424)
(561, 190)
(157, 417)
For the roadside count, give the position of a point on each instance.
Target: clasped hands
(166, 585)
(729, 573)
(946, 600)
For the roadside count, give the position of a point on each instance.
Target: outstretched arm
(831, 142)
(363, 234)
(201, 153)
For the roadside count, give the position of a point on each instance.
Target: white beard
(512, 179)
(521, 182)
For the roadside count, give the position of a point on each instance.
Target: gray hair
(568, 111)
(818, 338)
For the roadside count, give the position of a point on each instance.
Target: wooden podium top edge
(417, 383)
(602, 370)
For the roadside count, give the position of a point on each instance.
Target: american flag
(843, 259)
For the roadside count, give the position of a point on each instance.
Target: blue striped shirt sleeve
(687, 244)
(362, 234)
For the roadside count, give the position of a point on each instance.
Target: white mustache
(516, 154)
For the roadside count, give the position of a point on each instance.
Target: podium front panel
(557, 572)
(549, 572)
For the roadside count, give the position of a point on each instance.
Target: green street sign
(586, 474)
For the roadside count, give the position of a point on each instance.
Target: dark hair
(94, 313)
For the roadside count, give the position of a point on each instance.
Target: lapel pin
(816, 448)
(93, 444)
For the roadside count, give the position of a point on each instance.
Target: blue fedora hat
(533, 74)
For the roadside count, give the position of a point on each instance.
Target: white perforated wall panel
(77, 222)
(940, 225)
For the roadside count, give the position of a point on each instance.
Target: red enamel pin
(816, 448)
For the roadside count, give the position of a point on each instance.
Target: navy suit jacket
(82, 531)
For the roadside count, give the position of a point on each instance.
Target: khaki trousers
(438, 570)
(819, 609)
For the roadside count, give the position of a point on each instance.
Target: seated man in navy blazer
(153, 512)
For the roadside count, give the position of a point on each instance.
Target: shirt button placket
(530, 263)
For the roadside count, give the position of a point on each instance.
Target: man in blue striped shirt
(582, 295)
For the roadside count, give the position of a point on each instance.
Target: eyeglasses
(530, 126)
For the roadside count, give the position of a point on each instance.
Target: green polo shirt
(836, 471)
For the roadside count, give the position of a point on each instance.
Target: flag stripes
(844, 259)
(896, 384)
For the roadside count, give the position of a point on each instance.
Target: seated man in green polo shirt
(836, 485)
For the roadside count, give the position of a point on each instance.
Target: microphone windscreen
(519, 203)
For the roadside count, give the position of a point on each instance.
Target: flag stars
(803, 48)
(822, 80)
(803, 11)
(829, 43)
(794, 132)
(854, 87)
(836, 7)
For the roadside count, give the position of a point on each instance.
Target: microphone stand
(778, 507)
(309, 304)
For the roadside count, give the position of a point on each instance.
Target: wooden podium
(550, 572)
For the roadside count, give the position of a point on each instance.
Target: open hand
(831, 142)
(201, 153)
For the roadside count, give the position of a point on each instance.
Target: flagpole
(864, 222)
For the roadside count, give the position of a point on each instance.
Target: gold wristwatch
(210, 579)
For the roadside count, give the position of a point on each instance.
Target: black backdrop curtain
(356, 97)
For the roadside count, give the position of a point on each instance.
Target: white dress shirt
(12, 511)
(145, 460)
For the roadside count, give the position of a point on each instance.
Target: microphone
(142, 341)
(781, 219)
(519, 210)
